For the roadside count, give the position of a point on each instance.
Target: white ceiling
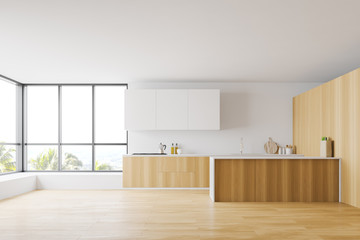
(178, 40)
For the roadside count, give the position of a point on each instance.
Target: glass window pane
(7, 158)
(8, 112)
(76, 114)
(76, 158)
(42, 158)
(109, 157)
(42, 112)
(109, 114)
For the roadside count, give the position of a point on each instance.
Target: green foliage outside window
(7, 160)
(48, 161)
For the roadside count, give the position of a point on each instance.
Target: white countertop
(236, 156)
(267, 156)
(170, 155)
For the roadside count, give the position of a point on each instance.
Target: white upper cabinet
(140, 109)
(172, 109)
(204, 109)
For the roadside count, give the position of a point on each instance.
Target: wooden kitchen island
(274, 178)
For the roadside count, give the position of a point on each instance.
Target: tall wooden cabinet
(333, 110)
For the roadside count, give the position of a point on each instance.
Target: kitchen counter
(169, 155)
(274, 178)
(267, 156)
(166, 171)
(226, 156)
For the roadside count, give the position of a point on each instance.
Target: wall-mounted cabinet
(204, 109)
(172, 109)
(140, 109)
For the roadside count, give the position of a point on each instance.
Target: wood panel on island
(293, 179)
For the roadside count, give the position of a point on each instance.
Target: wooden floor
(168, 214)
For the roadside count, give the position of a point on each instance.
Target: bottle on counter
(176, 148)
(172, 148)
(241, 145)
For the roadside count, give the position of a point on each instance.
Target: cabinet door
(140, 109)
(171, 109)
(204, 109)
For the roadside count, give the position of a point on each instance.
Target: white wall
(254, 111)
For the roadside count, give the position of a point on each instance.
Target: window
(77, 158)
(76, 114)
(75, 127)
(43, 157)
(109, 114)
(42, 114)
(109, 157)
(10, 126)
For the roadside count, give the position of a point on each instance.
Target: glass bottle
(172, 148)
(241, 145)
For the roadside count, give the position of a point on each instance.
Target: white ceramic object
(281, 150)
(179, 151)
(289, 151)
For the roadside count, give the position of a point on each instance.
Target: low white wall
(15, 184)
(18, 183)
(78, 181)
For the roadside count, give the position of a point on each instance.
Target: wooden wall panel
(156, 172)
(314, 119)
(307, 121)
(356, 139)
(339, 115)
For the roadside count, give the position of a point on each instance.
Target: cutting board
(271, 147)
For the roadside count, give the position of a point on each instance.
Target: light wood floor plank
(168, 214)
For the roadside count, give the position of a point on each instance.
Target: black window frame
(59, 144)
(19, 125)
